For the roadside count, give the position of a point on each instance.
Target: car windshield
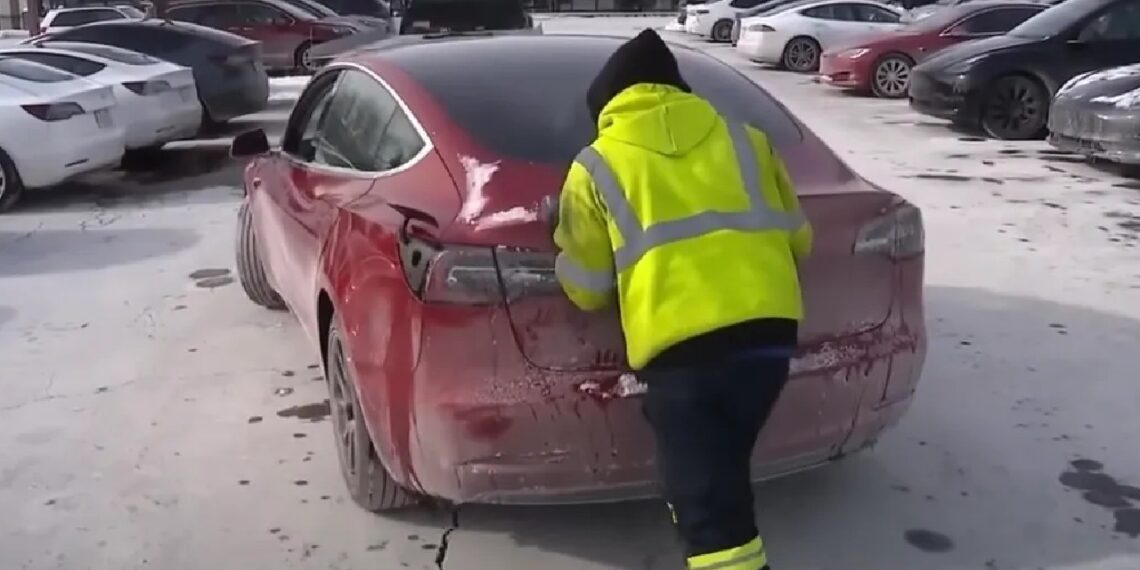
(29, 71)
(107, 52)
(1055, 20)
(527, 100)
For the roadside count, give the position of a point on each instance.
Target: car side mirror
(249, 144)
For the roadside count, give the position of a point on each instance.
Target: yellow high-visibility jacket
(689, 221)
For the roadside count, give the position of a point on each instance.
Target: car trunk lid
(845, 293)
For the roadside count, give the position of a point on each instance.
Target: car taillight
(461, 275)
(54, 111)
(147, 87)
(896, 234)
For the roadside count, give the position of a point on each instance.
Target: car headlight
(854, 53)
(963, 66)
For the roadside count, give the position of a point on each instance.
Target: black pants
(706, 421)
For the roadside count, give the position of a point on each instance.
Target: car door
(277, 31)
(1108, 38)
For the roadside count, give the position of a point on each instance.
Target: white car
(158, 100)
(53, 126)
(795, 38)
(714, 20)
(64, 18)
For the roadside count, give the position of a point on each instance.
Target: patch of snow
(478, 175)
(293, 81)
(1125, 100)
(516, 215)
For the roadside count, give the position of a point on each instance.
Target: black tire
(368, 481)
(302, 59)
(801, 54)
(251, 272)
(721, 31)
(142, 157)
(11, 186)
(1015, 107)
(890, 76)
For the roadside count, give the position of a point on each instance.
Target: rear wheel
(890, 77)
(368, 481)
(1015, 108)
(722, 31)
(801, 54)
(250, 270)
(11, 187)
(303, 58)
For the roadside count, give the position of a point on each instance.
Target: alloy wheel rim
(802, 54)
(307, 59)
(893, 76)
(720, 34)
(343, 409)
(3, 182)
(1014, 107)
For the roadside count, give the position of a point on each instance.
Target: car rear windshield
(107, 52)
(30, 71)
(430, 16)
(525, 97)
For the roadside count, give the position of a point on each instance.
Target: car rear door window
(74, 65)
(28, 71)
(1120, 22)
(744, 4)
(825, 12)
(875, 14)
(261, 15)
(995, 21)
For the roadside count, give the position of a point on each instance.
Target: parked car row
(998, 66)
(93, 93)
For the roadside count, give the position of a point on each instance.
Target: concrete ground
(154, 418)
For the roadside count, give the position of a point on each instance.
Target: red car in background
(399, 222)
(286, 32)
(882, 65)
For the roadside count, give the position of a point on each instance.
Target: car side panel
(361, 271)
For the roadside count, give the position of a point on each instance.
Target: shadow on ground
(957, 485)
(63, 251)
(151, 180)
(6, 314)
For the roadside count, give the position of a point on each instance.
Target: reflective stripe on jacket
(689, 221)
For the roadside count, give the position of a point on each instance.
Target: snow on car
(399, 222)
(158, 101)
(53, 126)
(795, 38)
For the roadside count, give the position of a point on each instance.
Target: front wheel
(250, 270)
(801, 54)
(368, 481)
(303, 58)
(1015, 108)
(890, 78)
(11, 187)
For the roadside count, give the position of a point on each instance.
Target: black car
(1098, 114)
(1005, 84)
(228, 71)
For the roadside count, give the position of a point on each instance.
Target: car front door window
(1121, 22)
(875, 14)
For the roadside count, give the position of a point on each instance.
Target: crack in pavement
(441, 552)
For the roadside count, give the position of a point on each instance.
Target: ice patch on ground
(516, 215)
(478, 175)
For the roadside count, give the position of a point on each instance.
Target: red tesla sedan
(882, 65)
(398, 221)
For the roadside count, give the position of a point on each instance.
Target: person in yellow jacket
(690, 222)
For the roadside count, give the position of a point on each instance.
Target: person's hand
(548, 212)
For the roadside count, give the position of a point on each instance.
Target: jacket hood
(659, 118)
(643, 59)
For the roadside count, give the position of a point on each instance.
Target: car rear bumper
(168, 117)
(66, 157)
(488, 427)
(939, 97)
(844, 72)
(233, 97)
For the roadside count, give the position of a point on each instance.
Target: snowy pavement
(156, 419)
